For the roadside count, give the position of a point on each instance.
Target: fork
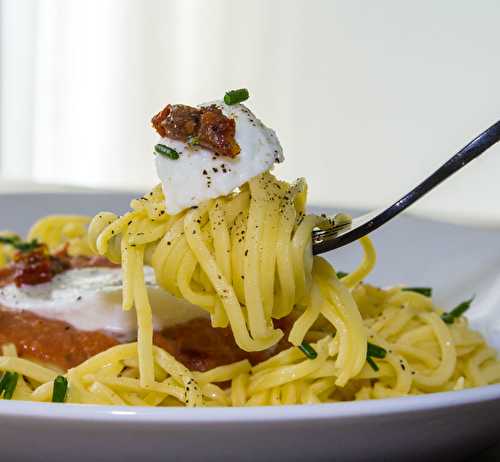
(344, 233)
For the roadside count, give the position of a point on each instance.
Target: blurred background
(366, 97)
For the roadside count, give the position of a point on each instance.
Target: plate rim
(324, 411)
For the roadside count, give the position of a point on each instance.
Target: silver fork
(344, 233)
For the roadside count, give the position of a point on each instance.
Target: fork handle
(468, 153)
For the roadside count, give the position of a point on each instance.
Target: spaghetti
(246, 259)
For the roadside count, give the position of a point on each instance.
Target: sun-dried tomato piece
(207, 127)
(37, 266)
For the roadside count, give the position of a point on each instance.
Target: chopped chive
(341, 274)
(60, 389)
(372, 363)
(3, 382)
(376, 351)
(166, 151)
(427, 291)
(27, 246)
(15, 242)
(11, 240)
(458, 311)
(308, 350)
(10, 384)
(236, 96)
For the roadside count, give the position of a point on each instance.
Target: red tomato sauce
(195, 343)
(49, 340)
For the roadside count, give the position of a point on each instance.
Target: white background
(367, 97)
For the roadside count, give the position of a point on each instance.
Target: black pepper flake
(205, 172)
(246, 252)
(78, 298)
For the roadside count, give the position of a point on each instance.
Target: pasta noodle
(59, 230)
(246, 259)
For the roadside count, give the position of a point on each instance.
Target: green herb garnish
(376, 351)
(3, 382)
(341, 274)
(166, 151)
(427, 291)
(372, 363)
(27, 246)
(236, 96)
(8, 384)
(23, 246)
(308, 350)
(456, 312)
(10, 240)
(60, 389)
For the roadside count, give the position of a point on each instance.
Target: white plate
(456, 261)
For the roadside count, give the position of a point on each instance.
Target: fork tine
(319, 236)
